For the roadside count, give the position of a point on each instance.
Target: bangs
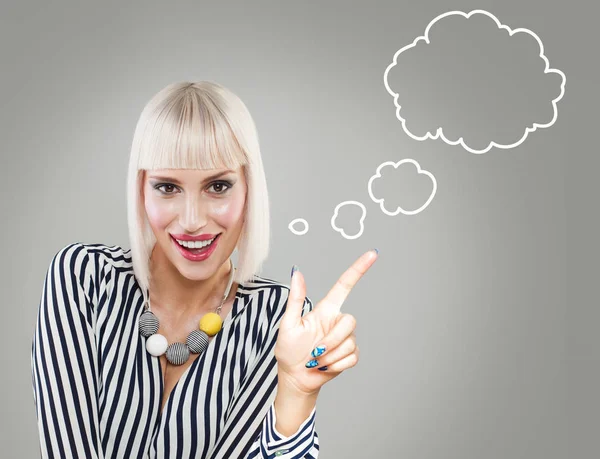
(190, 132)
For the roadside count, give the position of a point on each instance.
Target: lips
(199, 255)
(202, 237)
(199, 239)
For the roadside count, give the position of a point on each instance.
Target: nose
(194, 216)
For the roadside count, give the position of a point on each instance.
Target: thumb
(295, 303)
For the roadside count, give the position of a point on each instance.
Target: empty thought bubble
(392, 172)
(340, 230)
(472, 81)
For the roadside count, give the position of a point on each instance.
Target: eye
(166, 185)
(218, 187)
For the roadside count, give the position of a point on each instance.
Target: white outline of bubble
(419, 170)
(460, 141)
(362, 219)
(293, 222)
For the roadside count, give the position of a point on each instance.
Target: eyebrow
(174, 180)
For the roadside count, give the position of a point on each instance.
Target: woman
(167, 349)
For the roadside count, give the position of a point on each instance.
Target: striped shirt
(97, 391)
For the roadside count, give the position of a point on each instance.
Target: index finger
(340, 291)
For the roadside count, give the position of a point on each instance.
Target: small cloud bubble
(340, 230)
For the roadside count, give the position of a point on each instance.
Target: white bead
(157, 344)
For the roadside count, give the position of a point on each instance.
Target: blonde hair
(199, 125)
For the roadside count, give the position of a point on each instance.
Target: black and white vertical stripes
(97, 392)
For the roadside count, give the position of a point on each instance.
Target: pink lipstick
(196, 254)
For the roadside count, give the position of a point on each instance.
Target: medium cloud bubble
(392, 172)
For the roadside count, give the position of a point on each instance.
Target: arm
(301, 443)
(63, 360)
(292, 407)
(259, 397)
(288, 430)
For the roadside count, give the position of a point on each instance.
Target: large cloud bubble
(472, 81)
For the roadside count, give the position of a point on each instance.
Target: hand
(324, 325)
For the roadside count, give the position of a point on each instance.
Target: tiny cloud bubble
(300, 222)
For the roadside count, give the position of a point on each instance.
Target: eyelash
(221, 182)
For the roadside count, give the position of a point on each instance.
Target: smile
(196, 244)
(196, 250)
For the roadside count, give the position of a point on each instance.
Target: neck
(174, 293)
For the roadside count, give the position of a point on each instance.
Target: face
(190, 202)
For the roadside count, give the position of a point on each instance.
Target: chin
(198, 273)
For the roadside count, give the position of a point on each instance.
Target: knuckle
(358, 271)
(351, 320)
(343, 284)
(350, 346)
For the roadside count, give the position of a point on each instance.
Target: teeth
(195, 244)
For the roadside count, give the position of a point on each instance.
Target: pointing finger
(340, 291)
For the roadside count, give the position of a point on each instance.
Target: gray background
(476, 326)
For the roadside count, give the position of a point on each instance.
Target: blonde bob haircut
(199, 125)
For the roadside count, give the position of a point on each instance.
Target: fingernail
(311, 364)
(294, 269)
(376, 251)
(318, 351)
(323, 368)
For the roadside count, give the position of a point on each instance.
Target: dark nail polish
(294, 269)
(376, 251)
(323, 368)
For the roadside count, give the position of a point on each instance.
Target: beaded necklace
(197, 341)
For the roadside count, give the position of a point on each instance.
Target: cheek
(228, 213)
(160, 213)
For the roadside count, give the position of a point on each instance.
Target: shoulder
(272, 293)
(90, 263)
(114, 254)
(111, 256)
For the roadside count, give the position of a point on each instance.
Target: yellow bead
(211, 323)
